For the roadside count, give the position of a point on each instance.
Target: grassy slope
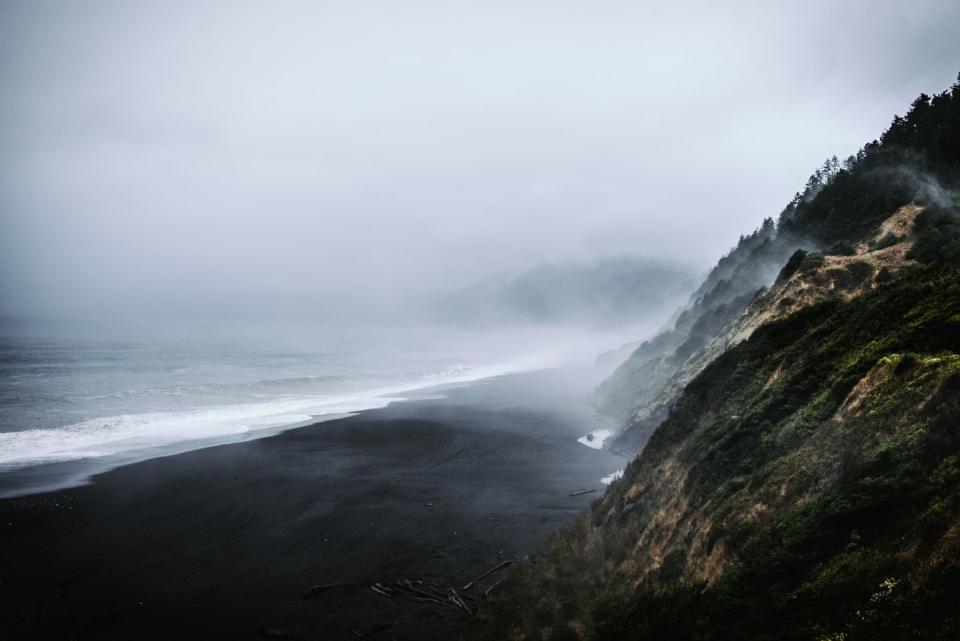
(917, 160)
(805, 485)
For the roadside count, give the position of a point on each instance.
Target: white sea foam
(112, 435)
(595, 439)
(610, 478)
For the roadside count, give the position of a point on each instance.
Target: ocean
(123, 391)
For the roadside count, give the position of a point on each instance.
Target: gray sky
(210, 158)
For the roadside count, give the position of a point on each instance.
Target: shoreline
(42, 478)
(223, 541)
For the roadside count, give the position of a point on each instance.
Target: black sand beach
(221, 543)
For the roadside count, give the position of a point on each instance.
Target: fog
(346, 159)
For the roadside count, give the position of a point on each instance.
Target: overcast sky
(220, 158)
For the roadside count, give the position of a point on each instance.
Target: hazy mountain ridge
(607, 292)
(803, 473)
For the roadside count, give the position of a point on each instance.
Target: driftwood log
(423, 591)
(495, 568)
(487, 592)
(459, 602)
(404, 593)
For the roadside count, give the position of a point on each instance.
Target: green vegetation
(806, 482)
(887, 240)
(842, 248)
(864, 505)
(938, 236)
(793, 264)
(664, 363)
(917, 159)
(842, 203)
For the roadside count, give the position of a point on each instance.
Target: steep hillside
(640, 391)
(807, 484)
(810, 278)
(802, 475)
(807, 278)
(863, 207)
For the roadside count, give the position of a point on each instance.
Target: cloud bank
(308, 158)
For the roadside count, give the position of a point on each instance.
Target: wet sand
(221, 543)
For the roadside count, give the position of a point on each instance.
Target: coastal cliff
(799, 465)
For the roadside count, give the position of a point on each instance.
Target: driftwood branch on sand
(487, 592)
(380, 589)
(495, 568)
(455, 597)
(420, 591)
(406, 593)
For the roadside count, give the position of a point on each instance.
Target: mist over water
(87, 390)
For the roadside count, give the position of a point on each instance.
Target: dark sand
(220, 543)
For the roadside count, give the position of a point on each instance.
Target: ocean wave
(111, 435)
(281, 382)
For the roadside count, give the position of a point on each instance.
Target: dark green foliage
(854, 203)
(793, 264)
(916, 159)
(933, 125)
(822, 562)
(859, 271)
(673, 565)
(938, 236)
(842, 248)
(811, 262)
(652, 616)
(563, 633)
(888, 240)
